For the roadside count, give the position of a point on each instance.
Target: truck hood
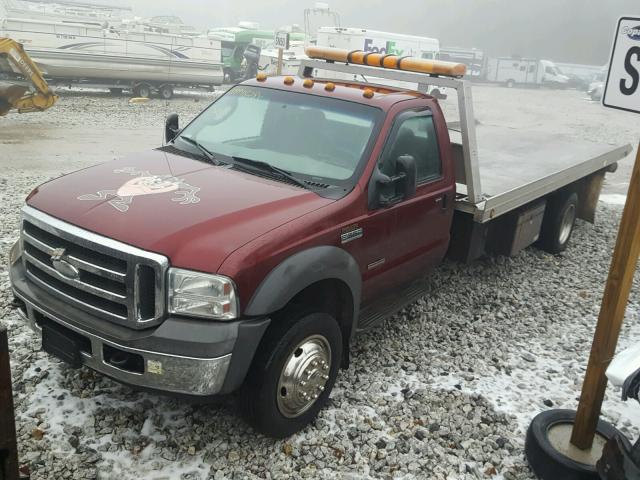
(193, 212)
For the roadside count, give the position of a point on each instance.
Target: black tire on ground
(549, 464)
(116, 92)
(281, 343)
(142, 91)
(229, 76)
(166, 92)
(511, 83)
(559, 220)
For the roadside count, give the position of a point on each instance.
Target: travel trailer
(525, 71)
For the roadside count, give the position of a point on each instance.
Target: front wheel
(292, 373)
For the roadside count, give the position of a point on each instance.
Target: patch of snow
(613, 198)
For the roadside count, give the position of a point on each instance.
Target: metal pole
(8, 444)
(614, 304)
(279, 66)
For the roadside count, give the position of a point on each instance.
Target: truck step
(375, 313)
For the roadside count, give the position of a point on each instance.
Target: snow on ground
(613, 198)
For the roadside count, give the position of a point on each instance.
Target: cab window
(414, 135)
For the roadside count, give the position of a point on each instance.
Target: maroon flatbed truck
(292, 213)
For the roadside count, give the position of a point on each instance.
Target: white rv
(381, 42)
(525, 71)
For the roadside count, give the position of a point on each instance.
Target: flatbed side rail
(465, 107)
(505, 202)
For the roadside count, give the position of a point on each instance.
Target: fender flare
(301, 270)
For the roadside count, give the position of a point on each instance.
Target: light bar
(393, 62)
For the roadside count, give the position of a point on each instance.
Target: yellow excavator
(21, 97)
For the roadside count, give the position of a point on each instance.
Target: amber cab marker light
(308, 83)
(368, 93)
(330, 87)
(288, 80)
(261, 77)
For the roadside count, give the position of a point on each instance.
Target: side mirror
(385, 191)
(406, 165)
(171, 127)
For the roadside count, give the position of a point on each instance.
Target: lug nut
(321, 388)
(302, 383)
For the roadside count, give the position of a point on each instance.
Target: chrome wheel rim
(567, 223)
(304, 376)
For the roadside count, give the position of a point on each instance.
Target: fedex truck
(378, 42)
(382, 42)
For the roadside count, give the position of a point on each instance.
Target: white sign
(622, 90)
(281, 40)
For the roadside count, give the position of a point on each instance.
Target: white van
(525, 71)
(375, 41)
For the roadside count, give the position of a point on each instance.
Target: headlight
(202, 295)
(14, 253)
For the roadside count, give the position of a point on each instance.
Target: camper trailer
(525, 72)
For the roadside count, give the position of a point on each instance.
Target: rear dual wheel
(292, 373)
(558, 223)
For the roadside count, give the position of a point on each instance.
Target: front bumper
(182, 356)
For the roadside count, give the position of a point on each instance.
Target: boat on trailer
(71, 51)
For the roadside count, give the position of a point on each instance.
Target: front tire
(293, 373)
(559, 220)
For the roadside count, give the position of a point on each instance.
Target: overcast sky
(577, 31)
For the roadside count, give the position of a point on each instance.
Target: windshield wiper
(264, 166)
(207, 154)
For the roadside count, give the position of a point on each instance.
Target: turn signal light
(368, 93)
(393, 62)
(288, 80)
(261, 77)
(308, 83)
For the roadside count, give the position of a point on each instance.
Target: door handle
(442, 201)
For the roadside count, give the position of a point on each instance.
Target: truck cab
(194, 267)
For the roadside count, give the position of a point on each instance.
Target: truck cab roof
(384, 97)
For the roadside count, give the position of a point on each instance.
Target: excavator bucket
(9, 96)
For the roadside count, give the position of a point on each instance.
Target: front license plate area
(60, 342)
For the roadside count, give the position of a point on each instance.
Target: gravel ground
(443, 390)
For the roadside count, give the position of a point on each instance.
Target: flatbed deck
(519, 166)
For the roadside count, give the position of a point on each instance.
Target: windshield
(307, 135)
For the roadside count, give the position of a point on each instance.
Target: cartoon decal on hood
(145, 184)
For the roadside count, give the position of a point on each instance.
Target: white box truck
(375, 41)
(525, 71)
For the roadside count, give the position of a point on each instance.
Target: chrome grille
(108, 279)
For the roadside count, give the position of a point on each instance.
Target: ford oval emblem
(63, 267)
